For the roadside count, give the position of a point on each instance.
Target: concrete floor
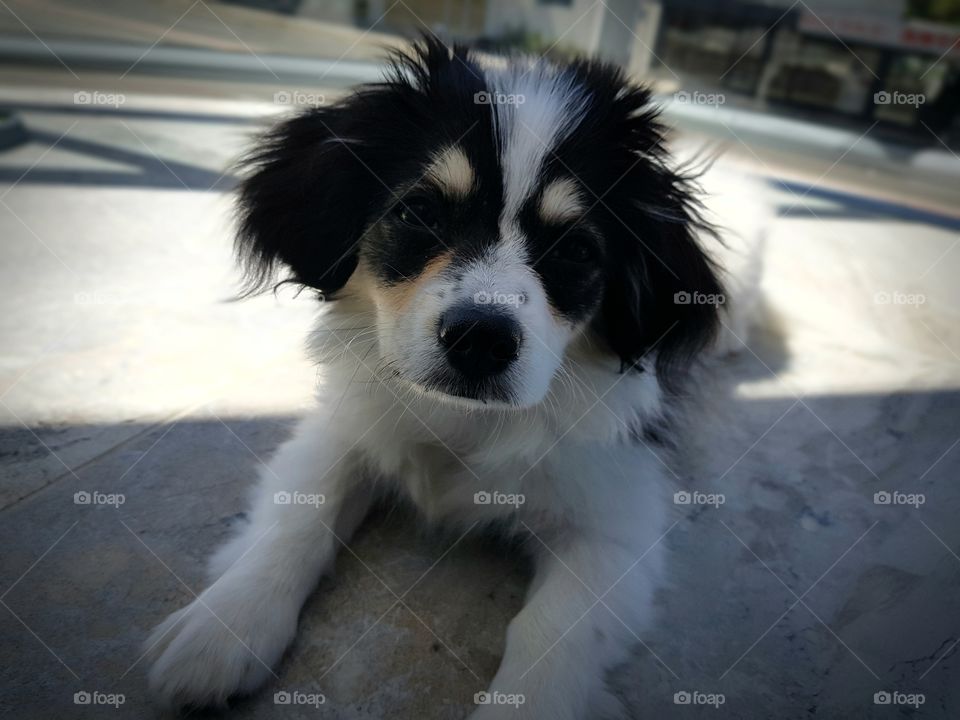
(125, 369)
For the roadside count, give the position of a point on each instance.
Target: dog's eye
(576, 248)
(417, 212)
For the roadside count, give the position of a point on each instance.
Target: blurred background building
(831, 58)
(822, 58)
(846, 62)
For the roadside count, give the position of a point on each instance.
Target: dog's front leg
(585, 609)
(229, 639)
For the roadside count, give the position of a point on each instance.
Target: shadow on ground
(798, 597)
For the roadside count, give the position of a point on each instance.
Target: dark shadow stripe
(856, 206)
(169, 174)
(121, 112)
(107, 178)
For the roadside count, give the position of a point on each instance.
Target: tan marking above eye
(561, 201)
(451, 171)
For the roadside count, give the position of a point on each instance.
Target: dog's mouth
(490, 393)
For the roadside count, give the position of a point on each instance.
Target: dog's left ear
(316, 181)
(304, 201)
(662, 293)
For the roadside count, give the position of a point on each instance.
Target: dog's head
(494, 210)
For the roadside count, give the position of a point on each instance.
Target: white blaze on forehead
(535, 107)
(561, 201)
(450, 169)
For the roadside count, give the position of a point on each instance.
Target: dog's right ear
(303, 202)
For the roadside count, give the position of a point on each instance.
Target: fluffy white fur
(595, 503)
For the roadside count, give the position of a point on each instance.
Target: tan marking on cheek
(561, 201)
(451, 171)
(558, 318)
(398, 297)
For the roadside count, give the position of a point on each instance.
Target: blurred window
(821, 73)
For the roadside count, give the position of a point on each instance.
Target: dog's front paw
(224, 643)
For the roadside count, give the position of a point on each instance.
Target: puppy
(516, 284)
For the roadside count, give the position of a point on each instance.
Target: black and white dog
(517, 285)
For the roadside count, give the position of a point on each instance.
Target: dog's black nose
(477, 341)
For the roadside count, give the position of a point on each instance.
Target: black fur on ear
(658, 276)
(302, 203)
(662, 293)
(315, 182)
